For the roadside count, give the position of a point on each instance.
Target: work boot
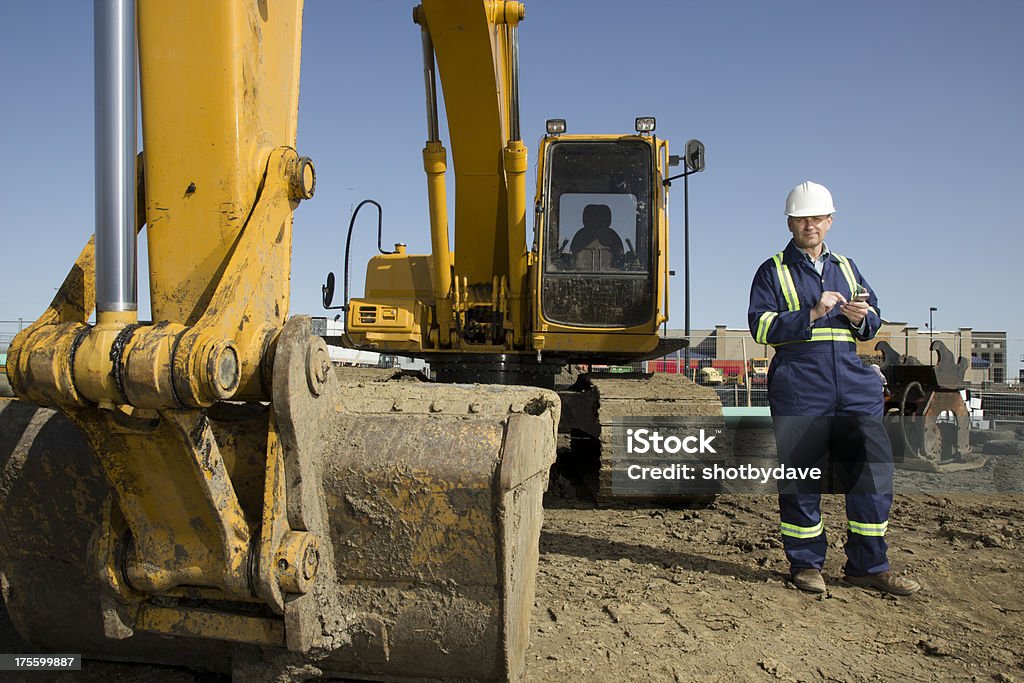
(809, 580)
(887, 582)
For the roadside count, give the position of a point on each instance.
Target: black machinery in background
(926, 416)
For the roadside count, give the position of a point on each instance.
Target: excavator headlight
(555, 126)
(645, 124)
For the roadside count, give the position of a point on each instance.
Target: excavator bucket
(425, 500)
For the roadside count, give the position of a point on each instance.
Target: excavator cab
(597, 228)
(601, 236)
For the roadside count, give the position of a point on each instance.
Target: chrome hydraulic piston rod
(115, 73)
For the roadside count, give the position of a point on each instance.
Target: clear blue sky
(911, 112)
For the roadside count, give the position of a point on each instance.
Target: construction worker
(812, 305)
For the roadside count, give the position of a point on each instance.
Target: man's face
(809, 231)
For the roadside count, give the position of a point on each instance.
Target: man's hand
(855, 311)
(827, 302)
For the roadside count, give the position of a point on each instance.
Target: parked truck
(758, 370)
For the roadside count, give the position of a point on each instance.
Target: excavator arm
(209, 476)
(477, 300)
(475, 48)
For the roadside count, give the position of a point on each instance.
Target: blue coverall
(826, 407)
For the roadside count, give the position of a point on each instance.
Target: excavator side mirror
(328, 290)
(694, 155)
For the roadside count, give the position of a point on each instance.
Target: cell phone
(860, 296)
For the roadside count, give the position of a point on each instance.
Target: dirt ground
(636, 594)
(703, 595)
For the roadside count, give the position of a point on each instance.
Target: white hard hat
(809, 199)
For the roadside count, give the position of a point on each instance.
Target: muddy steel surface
(665, 594)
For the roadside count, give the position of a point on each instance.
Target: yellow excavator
(204, 488)
(593, 289)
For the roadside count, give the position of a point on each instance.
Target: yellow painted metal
(147, 380)
(176, 496)
(205, 623)
(218, 164)
(493, 268)
(515, 172)
(250, 301)
(93, 371)
(559, 338)
(287, 560)
(39, 362)
(431, 514)
(391, 315)
(211, 500)
(400, 283)
(222, 177)
(39, 357)
(471, 43)
(218, 357)
(45, 378)
(639, 339)
(472, 51)
(204, 164)
(435, 164)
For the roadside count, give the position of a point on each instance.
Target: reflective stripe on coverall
(816, 373)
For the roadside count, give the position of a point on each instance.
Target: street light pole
(931, 330)
(686, 270)
(694, 163)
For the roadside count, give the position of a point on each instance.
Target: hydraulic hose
(348, 258)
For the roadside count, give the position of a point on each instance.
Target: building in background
(991, 347)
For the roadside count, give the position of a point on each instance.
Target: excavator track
(430, 502)
(597, 406)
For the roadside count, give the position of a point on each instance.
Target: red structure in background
(672, 366)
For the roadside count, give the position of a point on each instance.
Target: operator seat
(596, 246)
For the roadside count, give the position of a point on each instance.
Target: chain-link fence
(733, 365)
(8, 330)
